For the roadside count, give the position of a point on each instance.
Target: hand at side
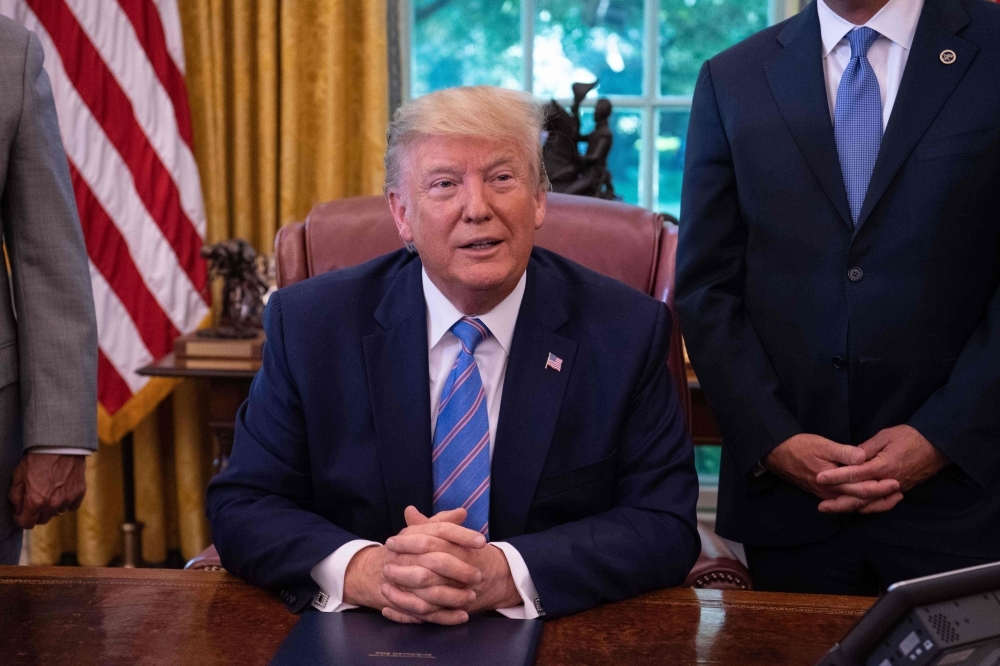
(45, 485)
(802, 460)
(899, 453)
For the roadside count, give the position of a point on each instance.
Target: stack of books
(200, 353)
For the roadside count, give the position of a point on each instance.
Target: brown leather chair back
(616, 239)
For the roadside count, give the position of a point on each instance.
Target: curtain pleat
(289, 106)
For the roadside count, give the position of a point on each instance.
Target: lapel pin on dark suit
(948, 57)
(553, 362)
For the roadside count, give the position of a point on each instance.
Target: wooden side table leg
(131, 528)
(226, 396)
(222, 446)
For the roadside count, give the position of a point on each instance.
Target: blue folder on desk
(363, 638)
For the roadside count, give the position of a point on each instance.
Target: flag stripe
(145, 20)
(113, 36)
(170, 19)
(109, 253)
(112, 391)
(101, 93)
(111, 183)
(119, 339)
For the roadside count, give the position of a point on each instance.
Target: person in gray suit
(48, 331)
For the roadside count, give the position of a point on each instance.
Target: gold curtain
(289, 106)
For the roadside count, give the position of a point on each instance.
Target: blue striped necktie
(461, 454)
(857, 119)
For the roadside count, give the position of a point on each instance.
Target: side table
(227, 391)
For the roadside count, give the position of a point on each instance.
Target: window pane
(670, 141)
(581, 41)
(623, 162)
(707, 459)
(691, 31)
(465, 42)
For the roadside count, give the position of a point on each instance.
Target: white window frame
(649, 102)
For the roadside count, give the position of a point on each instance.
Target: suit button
(839, 362)
(855, 274)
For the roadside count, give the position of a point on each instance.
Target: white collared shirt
(442, 350)
(491, 354)
(896, 22)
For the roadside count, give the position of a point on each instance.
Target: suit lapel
(926, 86)
(799, 87)
(396, 363)
(532, 399)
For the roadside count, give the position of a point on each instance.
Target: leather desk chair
(622, 241)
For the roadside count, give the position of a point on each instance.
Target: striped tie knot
(861, 39)
(471, 332)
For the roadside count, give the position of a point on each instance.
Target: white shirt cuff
(60, 450)
(329, 575)
(532, 606)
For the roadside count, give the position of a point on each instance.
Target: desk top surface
(62, 615)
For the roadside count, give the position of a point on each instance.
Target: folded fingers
(872, 470)
(445, 531)
(869, 490)
(442, 564)
(884, 504)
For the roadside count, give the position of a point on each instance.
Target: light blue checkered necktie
(461, 454)
(857, 119)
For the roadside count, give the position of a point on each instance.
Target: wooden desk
(60, 615)
(227, 391)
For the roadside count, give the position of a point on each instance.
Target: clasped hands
(868, 478)
(435, 570)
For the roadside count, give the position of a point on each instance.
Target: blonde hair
(475, 112)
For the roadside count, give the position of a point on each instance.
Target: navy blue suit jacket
(787, 337)
(592, 476)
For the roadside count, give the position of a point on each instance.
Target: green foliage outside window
(692, 31)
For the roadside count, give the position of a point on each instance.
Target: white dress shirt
(896, 22)
(442, 350)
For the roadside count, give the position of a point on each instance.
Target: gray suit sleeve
(53, 301)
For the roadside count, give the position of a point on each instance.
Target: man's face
(471, 208)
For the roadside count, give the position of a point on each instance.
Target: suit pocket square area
(560, 482)
(956, 145)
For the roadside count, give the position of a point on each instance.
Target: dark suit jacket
(787, 338)
(592, 477)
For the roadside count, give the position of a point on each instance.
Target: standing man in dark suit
(838, 272)
(475, 425)
(48, 333)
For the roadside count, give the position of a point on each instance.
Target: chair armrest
(717, 567)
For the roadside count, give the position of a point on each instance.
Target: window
(646, 53)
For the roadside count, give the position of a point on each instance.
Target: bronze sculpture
(568, 171)
(237, 263)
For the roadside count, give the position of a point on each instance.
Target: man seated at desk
(519, 399)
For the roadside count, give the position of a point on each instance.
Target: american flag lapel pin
(553, 362)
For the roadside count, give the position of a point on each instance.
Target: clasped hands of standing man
(868, 478)
(434, 570)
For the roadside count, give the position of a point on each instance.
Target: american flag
(117, 73)
(554, 362)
